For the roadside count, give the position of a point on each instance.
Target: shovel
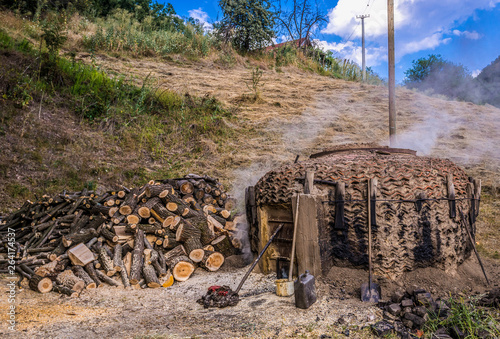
(370, 292)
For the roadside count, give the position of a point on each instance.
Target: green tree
(441, 77)
(248, 24)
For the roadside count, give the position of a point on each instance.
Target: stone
(424, 299)
(411, 289)
(382, 328)
(407, 303)
(394, 309)
(421, 311)
(398, 296)
(407, 310)
(415, 319)
(408, 323)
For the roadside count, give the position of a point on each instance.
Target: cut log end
(197, 255)
(40, 284)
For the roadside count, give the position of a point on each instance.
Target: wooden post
(309, 182)
(307, 239)
(451, 196)
(392, 74)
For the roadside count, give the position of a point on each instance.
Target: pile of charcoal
(409, 310)
(219, 296)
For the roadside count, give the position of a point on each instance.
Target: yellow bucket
(284, 287)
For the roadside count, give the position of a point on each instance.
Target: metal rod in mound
(473, 245)
(294, 241)
(370, 292)
(258, 258)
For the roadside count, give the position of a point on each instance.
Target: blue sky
(462, 31)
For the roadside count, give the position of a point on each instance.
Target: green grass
(121, 32)
(165, 133)
(466, 315)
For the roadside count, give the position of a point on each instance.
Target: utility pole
(362, 17)
(392, 74)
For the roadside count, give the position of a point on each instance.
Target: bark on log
(118, 262)
(64, 290)
(106, 279)
(74, 239)
(137, 258)
(109, 235)
(212, 261)
(89, 268)
(207, 234)
(156, 190)
(70, 280)
(106, 262)
(148, 270)
(80, 273)
(40, 284)
(223, 245)
(186, 231)
(129, 203)
(145, 210)
(182, 267)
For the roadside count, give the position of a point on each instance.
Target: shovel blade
(370, 293)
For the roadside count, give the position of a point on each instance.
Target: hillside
(214, 126)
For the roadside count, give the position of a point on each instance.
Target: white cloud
(348, 50)
(419, 24)
(475, 73)
(199, 14)
(429, 42)
(468, 35)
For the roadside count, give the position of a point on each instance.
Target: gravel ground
(173, 312)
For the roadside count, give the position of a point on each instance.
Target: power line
(359, 23)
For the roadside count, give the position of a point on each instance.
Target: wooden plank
(309, 182)
(80, 255)
(307, 246)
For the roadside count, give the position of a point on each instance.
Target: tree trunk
(212, 261)
(137, 258)
(182, 267)
(148, 270)
(129, 203)
(74, 239)
(223, 245)
(89, 268)
(118, 262)
(71, 281)
(64, 290)
(109, 235)
(106, 279)
(187, 231)
(106, 262)
(80, 273)
(40, 284)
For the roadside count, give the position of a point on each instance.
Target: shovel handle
(258, 258)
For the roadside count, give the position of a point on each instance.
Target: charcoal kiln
(420, 207)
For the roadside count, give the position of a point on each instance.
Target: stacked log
(148, 236)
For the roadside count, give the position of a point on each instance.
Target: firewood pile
(142, 237)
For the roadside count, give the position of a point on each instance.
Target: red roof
(298, 43)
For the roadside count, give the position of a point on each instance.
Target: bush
(122, 32)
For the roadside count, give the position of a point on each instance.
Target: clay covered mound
(414, 223)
